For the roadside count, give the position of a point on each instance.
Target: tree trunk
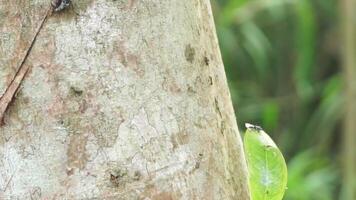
(349, 58)
(123, 100)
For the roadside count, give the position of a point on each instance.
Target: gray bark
(124, 99)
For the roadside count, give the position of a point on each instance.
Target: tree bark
(123, 99)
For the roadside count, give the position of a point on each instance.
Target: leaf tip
(254, 127)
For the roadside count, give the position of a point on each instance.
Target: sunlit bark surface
(124, 99)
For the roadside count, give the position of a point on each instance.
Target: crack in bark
(11, 90)
(9, 181)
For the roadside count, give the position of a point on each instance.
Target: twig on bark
(8, 96)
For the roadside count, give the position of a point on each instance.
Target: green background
(282, 60)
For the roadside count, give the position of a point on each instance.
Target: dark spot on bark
(70, 171)
(137, 176)
(114, 179)
(199, 159)
(222, 127)
(189, 53)
(121, 176)
(206, 61)
(190, 89)
(36, 193)
(61, 122)
(217, 108)
(118, 177)
(75, 91)
(211, 80)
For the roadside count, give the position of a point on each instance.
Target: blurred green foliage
(283, 66)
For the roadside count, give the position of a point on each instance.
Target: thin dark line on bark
(11, 90)
(9, 181)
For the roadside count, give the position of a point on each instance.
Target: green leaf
(266, 165)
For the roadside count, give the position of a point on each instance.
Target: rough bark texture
(125, 99)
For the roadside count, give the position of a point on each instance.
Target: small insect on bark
(59, 5)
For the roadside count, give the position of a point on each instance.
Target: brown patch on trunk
(129, 60)
(132, 62)
(170, 84)
(77, 156)
(183, 138)
(130, 4)
(153, 193)
(163, 196)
